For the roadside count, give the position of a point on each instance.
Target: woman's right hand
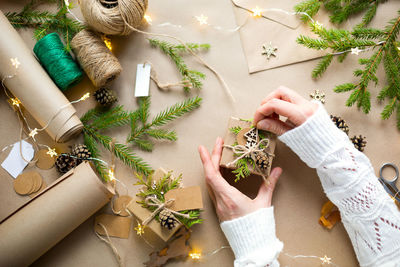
(283, 102)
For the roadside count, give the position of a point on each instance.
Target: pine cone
(359, 142)
(167, 219)
(81, 152)
(340, 123)
(105, 96)
(64, 163)
(262, 161)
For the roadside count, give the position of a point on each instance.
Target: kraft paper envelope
(279, 28)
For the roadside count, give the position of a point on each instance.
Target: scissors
(390, 185)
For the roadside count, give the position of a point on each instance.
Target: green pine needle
(235, 130)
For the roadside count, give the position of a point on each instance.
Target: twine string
(155, 202)
(110, 244)
(251, 152)
(165, 86)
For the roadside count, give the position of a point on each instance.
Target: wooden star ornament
(269, 50)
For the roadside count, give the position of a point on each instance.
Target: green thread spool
(58, 62)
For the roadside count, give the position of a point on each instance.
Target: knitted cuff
(315, 139)
(252, 237)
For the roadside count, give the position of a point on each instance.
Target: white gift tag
(142, 85)
(14, 164)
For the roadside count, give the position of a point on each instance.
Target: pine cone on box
(81, 152)
(340, 123)
(262, 161)
(64, 163)
(105, 96)
(359, 142)
(167, 219)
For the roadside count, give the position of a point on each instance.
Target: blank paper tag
(14, 164)
(188, 198)
(116, 226)
(142, 80)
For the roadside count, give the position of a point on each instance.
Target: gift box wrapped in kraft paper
(30, 83)
(41, 223)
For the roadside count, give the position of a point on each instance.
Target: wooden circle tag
(44, 161)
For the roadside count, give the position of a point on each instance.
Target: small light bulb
(107, 42)
(111, 174)
(15, 101)
(52, 152)
(148, 18)
(15, 62)
(202, 19)
(33, 133)
(195, 255)
(257, 12)
(84, 97)
(139, 229)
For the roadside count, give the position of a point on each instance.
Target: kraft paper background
(298, 196)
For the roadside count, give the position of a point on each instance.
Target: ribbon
(153, 201)
(251, 152)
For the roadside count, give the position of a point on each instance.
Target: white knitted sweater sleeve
(369, 215)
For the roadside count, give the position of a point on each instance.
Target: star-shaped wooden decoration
(319, 96)
(269, 50)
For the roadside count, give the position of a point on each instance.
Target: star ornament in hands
(269, 50)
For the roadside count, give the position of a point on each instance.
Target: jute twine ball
(109, 19)
(100, 65)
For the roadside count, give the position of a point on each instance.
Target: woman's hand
(229, 202)
(283, 102)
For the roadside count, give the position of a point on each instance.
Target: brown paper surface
(116, 226)
(298, 196)
(230, 139)
(187, 198)
(279, 28)
(32, 85)
(45, 220)
(142, 214)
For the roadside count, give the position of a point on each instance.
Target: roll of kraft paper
(41, 223)
(34, 88)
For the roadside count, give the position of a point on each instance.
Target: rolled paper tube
(34, 88)
(58, 62)
(100, 65)
(49, 217)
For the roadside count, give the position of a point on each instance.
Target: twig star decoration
(355, 51)
(319, 96)
(269, 50)
(326, 260)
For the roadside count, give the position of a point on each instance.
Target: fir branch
(322, 66)
(310, 7)
(173, 51)
(45, 22)
(138, 134)
(242, 168)
(235, 130)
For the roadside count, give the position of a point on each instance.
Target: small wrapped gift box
(247, 150)
(177, 202)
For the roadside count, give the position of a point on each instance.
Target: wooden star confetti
(33, 133)
(15, 62)
(269, 50)
(52, 152)
(325, 259)
(355, 51)
(257, 12)
(319, 96)
(202, 19)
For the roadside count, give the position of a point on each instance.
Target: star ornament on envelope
(269, 50)
(279, 25)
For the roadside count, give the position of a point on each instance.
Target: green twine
(58, 62)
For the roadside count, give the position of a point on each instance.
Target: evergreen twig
(190, 77)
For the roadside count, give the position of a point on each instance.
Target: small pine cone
(340, 123)
(64, 163)
(262, 161)
(167, 219)
(105, 96)
(359, 142)
(81, 152)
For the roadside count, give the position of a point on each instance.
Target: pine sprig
(190, 77)
(235, 130)
(242, 168)
(142, 130)
(158, 189)
(45, 22)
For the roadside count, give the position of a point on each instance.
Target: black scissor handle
(395, 169)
